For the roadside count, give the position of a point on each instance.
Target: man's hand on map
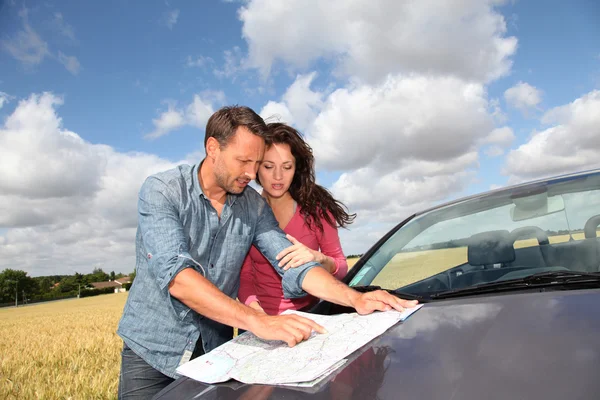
(291, 329)
(380, 300)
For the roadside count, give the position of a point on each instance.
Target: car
(510, 284)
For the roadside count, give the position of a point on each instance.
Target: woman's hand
(298, 254)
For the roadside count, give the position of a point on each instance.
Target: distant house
(123, 280)
(117, 284)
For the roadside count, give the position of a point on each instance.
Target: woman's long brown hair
(316, 201)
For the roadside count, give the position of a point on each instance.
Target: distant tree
(112, 275)
(14, 283)
(45, 284)
(132, 275)
(98, 275)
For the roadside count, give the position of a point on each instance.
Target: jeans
(138, 380)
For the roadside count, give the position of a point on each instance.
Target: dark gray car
(511, 285)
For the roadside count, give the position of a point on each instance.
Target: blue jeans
(137, 379)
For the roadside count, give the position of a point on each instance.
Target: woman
(307, 212)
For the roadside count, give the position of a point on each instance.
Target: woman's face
(277, 169)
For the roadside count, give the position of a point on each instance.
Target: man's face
(236, 164)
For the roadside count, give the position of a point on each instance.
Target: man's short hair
(225, 121)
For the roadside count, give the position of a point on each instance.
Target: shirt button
(211, 265)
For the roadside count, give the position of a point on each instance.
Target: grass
(61, 350)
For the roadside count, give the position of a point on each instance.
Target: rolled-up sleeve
(163, 237)
(270, 240)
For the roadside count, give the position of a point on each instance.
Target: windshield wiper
(398, 293)
(542, 279)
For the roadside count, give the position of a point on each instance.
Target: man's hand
(380, 300)
(296, 255)
(291, 329)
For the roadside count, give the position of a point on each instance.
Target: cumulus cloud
(299, 105)
(571, 143)
(372, 39)
(195, 114)
(67, 205)
(500, 136)
(523, 96)
(402, 119)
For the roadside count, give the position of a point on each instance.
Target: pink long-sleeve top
(259, 281)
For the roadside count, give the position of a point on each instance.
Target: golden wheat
(61, 350)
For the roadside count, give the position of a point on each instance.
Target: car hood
(519, 346)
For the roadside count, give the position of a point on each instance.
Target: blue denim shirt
(179, 228)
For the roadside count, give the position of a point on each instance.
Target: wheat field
(61, 350)
(69, 349)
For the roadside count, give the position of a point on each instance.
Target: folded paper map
(251, 360)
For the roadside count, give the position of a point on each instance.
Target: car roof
(516, 188)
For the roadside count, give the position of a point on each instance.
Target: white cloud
(277, 112)
(369, 40)
(572, 143)
(494, 151)
(27, 46)
(195, 114)
(168, 121)
(170, 18)
(523, 96)
(502, 137)
(40, 159)
(68, 205)
(299, 105)
(71, 63)
(402, 119)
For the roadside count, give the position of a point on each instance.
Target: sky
(406, 105)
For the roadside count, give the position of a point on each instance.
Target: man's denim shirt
(179, 228)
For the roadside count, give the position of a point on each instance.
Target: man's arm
(323, 285)
(176, 274)
(202, 296)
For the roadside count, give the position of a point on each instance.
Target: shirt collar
(198, 192)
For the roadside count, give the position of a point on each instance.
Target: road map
(251, 360)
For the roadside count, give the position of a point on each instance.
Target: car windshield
(506, 234)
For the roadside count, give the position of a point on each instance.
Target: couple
(196, 225)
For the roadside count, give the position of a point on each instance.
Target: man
(195, 226)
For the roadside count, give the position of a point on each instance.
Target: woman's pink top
(259, 281)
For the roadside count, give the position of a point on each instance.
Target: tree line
(16, 284)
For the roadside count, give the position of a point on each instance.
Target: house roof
(102, 285)
(124, 279)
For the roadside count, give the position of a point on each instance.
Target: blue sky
(405, 104)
